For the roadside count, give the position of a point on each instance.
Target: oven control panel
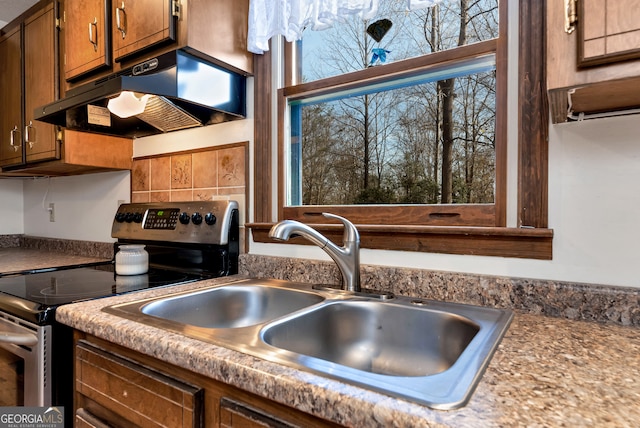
(159, 218)
(199, 222)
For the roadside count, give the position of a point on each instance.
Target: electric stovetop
(38, 294)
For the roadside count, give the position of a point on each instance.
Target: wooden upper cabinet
(609, 31)
(141, 24)
(10, 95)
(28, 60)
(87, 37)
(101, 37)
(39, 84)
(596, 69)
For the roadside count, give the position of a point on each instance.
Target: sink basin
(376, 337)
(232, 306)
(429, 352)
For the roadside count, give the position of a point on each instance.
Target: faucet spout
(346, 257)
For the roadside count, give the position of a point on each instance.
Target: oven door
(25, 375)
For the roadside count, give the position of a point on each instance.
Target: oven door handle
(26, 339)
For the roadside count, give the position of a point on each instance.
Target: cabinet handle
(25, 339)
(121, 20)
(93, 39)
(570, 16)
(30, 134)
(88, 419)
(12, 138)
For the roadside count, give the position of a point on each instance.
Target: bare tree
(425, 143)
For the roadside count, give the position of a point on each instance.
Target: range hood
(173, 91)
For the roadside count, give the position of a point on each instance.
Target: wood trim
(502, 117)
(282, 110)
(291, 76)
(606, 96)
(263, 128)
(407, 215)
(191, 151)
(533, 144)
(404, 68)
(107, 151)
(477, 241)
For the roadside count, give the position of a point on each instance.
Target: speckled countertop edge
(546, 372)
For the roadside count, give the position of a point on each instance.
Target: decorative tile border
(574, 301)
(190, 176)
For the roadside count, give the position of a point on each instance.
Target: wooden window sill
(479, 241)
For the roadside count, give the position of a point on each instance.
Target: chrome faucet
(346, 257)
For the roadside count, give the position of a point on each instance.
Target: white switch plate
(52, 212)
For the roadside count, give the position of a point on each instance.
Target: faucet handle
(350, 232)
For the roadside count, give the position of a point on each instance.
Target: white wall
(84, 205)
(594, 210)
(11, 207)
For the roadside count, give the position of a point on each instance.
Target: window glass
(396, 34)
(384, 144)
(370, 124)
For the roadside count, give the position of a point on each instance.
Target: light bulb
(128, 104)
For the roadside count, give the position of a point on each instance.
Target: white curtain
(289, 18)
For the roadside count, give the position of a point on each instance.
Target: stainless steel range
(185, 241)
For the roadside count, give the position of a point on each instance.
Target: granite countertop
(546, 372)
(19, 259)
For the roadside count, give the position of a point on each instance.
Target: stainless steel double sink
(430, 352)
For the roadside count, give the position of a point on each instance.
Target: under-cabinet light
(128, 104)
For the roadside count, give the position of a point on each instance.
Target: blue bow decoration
(379, 54)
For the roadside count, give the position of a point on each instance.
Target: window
(378, 119)
(468, 217)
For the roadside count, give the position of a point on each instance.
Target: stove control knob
(184, 218)
(210, 219)
(120, 217)
(128, 217)
(196, 218)
(137, 217)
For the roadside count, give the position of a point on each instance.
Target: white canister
(132, 260)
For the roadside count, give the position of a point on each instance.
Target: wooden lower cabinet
(117, 387)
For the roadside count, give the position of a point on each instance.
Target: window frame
(456, 229)
(487, 215)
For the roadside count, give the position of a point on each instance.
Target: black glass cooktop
(39, 293)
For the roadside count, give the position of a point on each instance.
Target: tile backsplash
(190, 176)
(198, 175)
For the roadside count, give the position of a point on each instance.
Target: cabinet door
(609, 31)
(39, 84)
(10, 93)
(141, 24)
(116, 391)
(87, 37)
